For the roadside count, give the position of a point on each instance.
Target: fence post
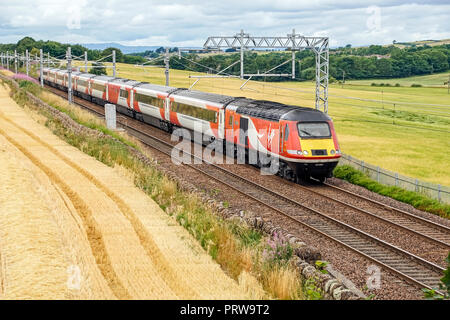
(417, 185)
(362, 166)
(378, 174)
(396, 179)
(439, 192)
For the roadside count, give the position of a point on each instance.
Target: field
(74, 228)
(401, 129)
(433, 80)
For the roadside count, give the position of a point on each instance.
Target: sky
(190, 23)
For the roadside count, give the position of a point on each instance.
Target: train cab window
(123, 93)
(313, 130)
(286, 133)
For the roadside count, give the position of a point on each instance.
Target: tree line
(355, 63)
(59, 50)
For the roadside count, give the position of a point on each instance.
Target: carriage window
(314, 130)
(142, 98)
(230, 122)
(196, 112)
(82, 83)
(123, 93)
(98, 87)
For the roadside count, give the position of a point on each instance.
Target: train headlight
(332, 151)
(338, 151)
(305, 153)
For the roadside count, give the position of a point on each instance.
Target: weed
(417, 200)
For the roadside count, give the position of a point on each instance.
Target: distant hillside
(430, 43)
(124, 49)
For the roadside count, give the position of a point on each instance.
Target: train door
(284, 135)
(221, 132)
(243, 133)
(167, 108)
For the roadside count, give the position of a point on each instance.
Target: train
(302, 140)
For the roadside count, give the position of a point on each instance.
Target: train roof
(211, 97)
(155, 87)
(277, 111)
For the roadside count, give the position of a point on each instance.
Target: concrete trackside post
(110, 116)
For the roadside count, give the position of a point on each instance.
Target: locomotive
(303, 140)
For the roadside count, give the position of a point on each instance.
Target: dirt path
(71, 227)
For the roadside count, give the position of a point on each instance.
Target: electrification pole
(69, 74)
(85, 62)
(114, 62)
(41, 72)
(7, 60)
(15, 61)
(294, 42)
(26, 59)
(242, 53)
(293, 54)
(166, 63)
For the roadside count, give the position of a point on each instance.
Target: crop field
(74, 228)
(401, 129)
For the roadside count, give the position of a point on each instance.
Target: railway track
(410, 267)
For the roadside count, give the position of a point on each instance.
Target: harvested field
(73, 228)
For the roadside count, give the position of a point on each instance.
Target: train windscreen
(313, 130)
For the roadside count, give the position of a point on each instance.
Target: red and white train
(302, 139)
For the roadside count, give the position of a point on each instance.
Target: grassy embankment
(409, 139)
(240, 251)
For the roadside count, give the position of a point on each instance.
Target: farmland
(401, 129)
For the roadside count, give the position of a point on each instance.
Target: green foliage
(57, 49)
(30, 86)
(312, 290)
(417, 200)
(248, 237)
(358, 63)
(99, 70)
(416, 85)
(321, 266)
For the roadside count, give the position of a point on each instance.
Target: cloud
(189, 23)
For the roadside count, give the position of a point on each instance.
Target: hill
(124, 49)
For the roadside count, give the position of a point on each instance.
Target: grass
(415, 199)
(370, 121)
(430, 80)
(236, 247)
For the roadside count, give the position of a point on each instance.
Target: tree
(108, 51)
(99, 70)
(24, 44)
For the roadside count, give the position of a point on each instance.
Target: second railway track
(410, 267)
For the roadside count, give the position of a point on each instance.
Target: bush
(397, 84)
(416, 85)
(417, 200)
(278, 251)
